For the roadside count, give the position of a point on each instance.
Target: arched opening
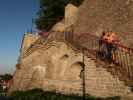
(74, 71)
(62, 65)
(49, 70)
(38, 75)
(64, 57)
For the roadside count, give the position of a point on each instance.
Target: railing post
(83, 79)
(124, 63)
(120, 61)
(117, 59)
(131, 64)
(127, 64)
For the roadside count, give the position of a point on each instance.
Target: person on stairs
(111, 47)
(101, 51)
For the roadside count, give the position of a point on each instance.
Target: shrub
(38, 94)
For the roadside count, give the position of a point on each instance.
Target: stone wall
(96, 16)
(59, 68)
(71, 16)
(70, 19)
(100, 82)
(52, 63)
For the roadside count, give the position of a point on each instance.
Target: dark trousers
(110, 49)
(102, 52)
(106, 50)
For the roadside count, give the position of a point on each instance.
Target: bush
(38, 94)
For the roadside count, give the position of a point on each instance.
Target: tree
(52, 11)
(6, 77)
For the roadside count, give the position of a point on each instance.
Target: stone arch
(64, 57)
(62, 65)
(74, 71)
(38, 74)
(50, 70)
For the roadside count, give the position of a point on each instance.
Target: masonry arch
(74, 71)
(62, 65)
(64, 57)
(38, 74)
(50, 70)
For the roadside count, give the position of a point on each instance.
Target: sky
(15, 19)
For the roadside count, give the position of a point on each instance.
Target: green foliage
(76, 2)
(2, 92)
(38, 94)
(113, 98)
(52, 11)
(6, 77)
(1, 89)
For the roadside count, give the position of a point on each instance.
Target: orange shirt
(112, 38)
(105, 37)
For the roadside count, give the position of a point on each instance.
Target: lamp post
(83, 75)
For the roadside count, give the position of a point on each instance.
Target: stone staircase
(123, 70)
(109, 70)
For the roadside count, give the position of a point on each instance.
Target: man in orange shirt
(111, 47)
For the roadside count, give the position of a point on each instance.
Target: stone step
(127, 97)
